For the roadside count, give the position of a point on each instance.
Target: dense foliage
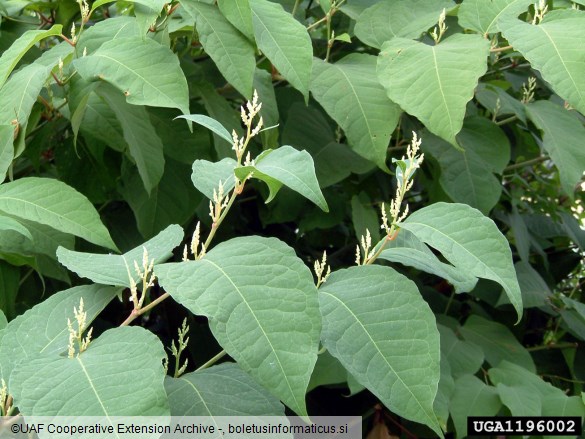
(179, 166)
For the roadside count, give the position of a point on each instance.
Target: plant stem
(381, 248)
(138, 312)
(449, 302)
(295, 7)
(553, 346)
(505, 121)
(213, 360)
(526, 163)
(500, 49)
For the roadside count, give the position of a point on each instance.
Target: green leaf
(488, 96)
(17, 49)
(173, 201)
(328, 370)
(472, 397)
(262, 308)
(114, 269)
(7, 223)
(470, 241)
(220, 110)
(53, 203)
(269, 112)
(20, 93)
(284, 41)
(444, 392)
(464, 357)
(207, 175)
(434, 83)
(146, 72)
(42, 330)
(350, 93)
(535, 291)
(378, 326)
(239, 14)
(465, 175)
(107, 30)
(122, 361)
(285, 165)
(9, 285)
(3, 322)
(223, 390)
(364, 217)
(483, 16)
(563, 138)
(511, 374)
(228, 48)
(398, 18)
(519, 400)
(306, 128)
(408, 250)
(553, 48)
(209, 123)
(6, 149)
(144, 145)
(497, 342)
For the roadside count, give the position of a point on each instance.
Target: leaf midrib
(259, 326)
(433, 422)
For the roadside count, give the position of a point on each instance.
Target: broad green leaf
(535, 291)
(144, 145)
(228, 48)
(519, 400)
(563, 139)
(207, 175)
(470, 241)
(20, 93)
(106, 30)
(3, 322)
(47, 239)
(328, 370)
(378, 326)
(434, 83)
(173, 201)
(408, 250)
(483, 16)
(262, 308)
(497, 342)
(53, 203)
(210, 124)
(146, 72)
(472, 397)
(306, 128)
(444, 392)
(122, 361)
(284, 41)
(398, 18)
(488, 96)
(269, 112)
(16, 51)
(350, 93)
(563, 405)
(100, 122)
(356, 7)
(239, 14)
(465, 175)
(289, 167)
(222, 111)
(365, 217)
(553, 47)
(154, 5)
(223, 390)
(8, 223)
(511, 374)
(6, 149)
(9, 285)
(464, 356)
(115, 269)
(42, 330)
